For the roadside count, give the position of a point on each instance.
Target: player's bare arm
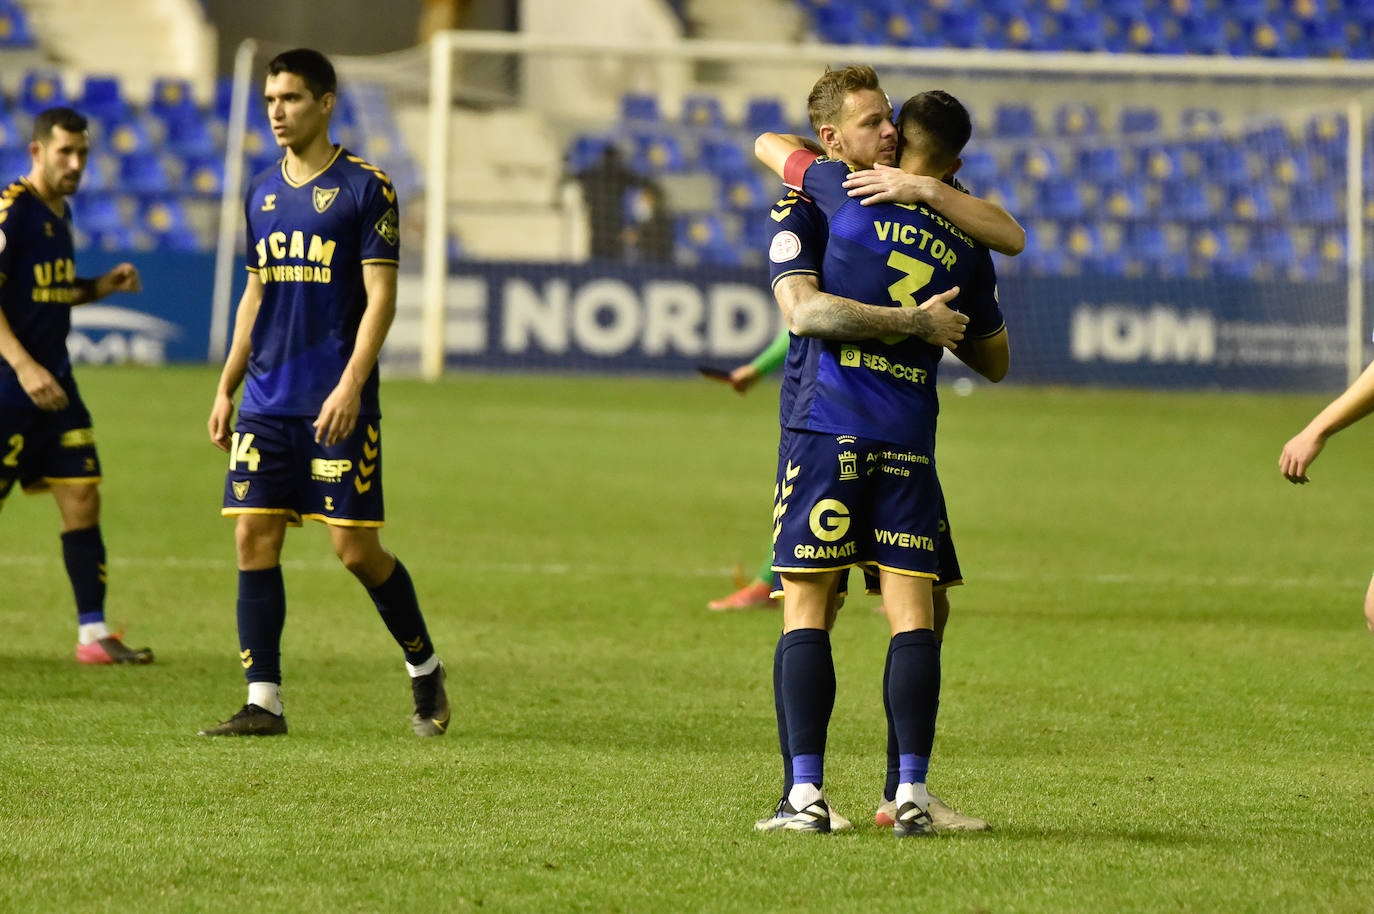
(339, 414)
(1347, 409)
(221, 422)
(43, 389)
(988, 223)
(773, 149)
(811, 312)
(990, 357)
(122, 278)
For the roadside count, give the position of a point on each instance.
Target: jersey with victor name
(37, 284)
(895, 255)
(308, 241)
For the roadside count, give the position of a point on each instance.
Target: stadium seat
(96, 213)
(723, 157)
(102, 172)
(584, 150)
(840, 23)
(746, 191)
(1139, 119)
(639, 106)
(1101, 163)
(1060, 198)
(102, 99)
(1076, 119)
(1229, 163)
(41, 89)
(1185, 200)
(656, 153)
(1162, 162)
(11, 137)
(1249, 203)
(702, 238)
(1196, 121)
(205, 176)
(1123, 200)
(13, 163)
(14, 27)
(1291, 167)
(164, 217)
(1013, 121)
(1088, 30)
(172, 98)
(965, 28)
(702, 110)
(189, 135)
(145, 173)
(128, 137)
(1205, 33)
(1036, 162)
(1314, 204)
(980, 167)
(1275, 246)
(764, 115)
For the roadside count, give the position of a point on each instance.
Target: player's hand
(42, 387)
(941, 325)
(1298, 455)
(743, 378)
(123, 278)
(338, 416)
(221, 422)
(885, 184)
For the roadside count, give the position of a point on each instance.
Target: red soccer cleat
(751, 596)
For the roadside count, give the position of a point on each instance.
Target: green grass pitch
(1157, 682)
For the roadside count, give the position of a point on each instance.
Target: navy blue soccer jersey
(887, 254)
(308, 242)
(796, 247)
(37, 283)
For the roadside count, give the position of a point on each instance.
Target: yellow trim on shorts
(957, 582)
(815, 570)
(343, 521)
(906, 572)
(292, 517)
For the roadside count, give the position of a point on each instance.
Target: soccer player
(321, 294)
(1304, 447)
(46, 441)
(857, 482)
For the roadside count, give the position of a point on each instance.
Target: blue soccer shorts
(842, 501)
(42, 449)
(276, 467)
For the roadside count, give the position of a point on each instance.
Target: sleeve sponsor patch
(3, 241)
(786, 246)
(387, 226)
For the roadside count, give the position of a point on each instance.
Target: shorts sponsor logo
(240, 489)
(829, 520)
(905, 540)
(322, 470)
(835, 551)
(786, 246)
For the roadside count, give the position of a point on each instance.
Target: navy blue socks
(261, 616)
(400, 610)
(807, 678)
(83, 552)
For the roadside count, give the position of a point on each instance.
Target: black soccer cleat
(431, 704)
(250, 720)
(913, 820)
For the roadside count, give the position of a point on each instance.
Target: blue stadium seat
(1028, 30)
(764, 115)
(189, 135)
(11, 137)
(1275, 245)
(1139, 119)
(1207, 248)
(172, 98)
(13, 163)
(1266, 39)
(1060, 198)
(205, 176)
(1251, 203)
(723, 157)
(656, 153)
(1185, 200)
(102, 98)
(1205, 33)
(584, 150)
(1291, 167)
(1315, 204)
(1087, 30)
(145, 173)
(1123, 200)
(1148, 242)
(1229, 163)
(980, 167)
(703, 239)
(1014, 121)
(41, 89)
(840, 23)
(1075, 119)
(97, 212)
(746, 191)
(14, 27)
(128, 137)
(964, 28)
(102, 170)
(1196, 121)
(1036, 162)
(639, 106)
(1162, 162)
(1101, 163)
(165, 217)
(702, 110)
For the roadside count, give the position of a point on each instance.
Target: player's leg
(1369, 605)
(389, 585)
(260, 494)
(753, 595)
(913, 693)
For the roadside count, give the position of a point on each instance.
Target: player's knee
(79, 504)
(258, 545)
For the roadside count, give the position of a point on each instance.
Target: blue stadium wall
(557, 317)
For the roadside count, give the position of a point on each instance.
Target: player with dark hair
(321, 294)
(856, 481)
(46, 440)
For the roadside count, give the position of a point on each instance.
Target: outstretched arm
(773, 149)
(122, 278)
(1347, 409)
(988, 223)
(811, 312)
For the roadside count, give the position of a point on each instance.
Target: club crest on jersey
(240, 489)
(323, 197)
(786, 246)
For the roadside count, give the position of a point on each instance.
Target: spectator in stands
(649, 236)
(604, 185)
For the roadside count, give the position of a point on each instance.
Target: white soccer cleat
(945, 819)
(816, 816)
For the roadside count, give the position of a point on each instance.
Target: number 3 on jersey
(241, 450)
(917, 275)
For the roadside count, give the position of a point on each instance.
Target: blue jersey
(37, 284)
(308, 241)
(888, 254)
